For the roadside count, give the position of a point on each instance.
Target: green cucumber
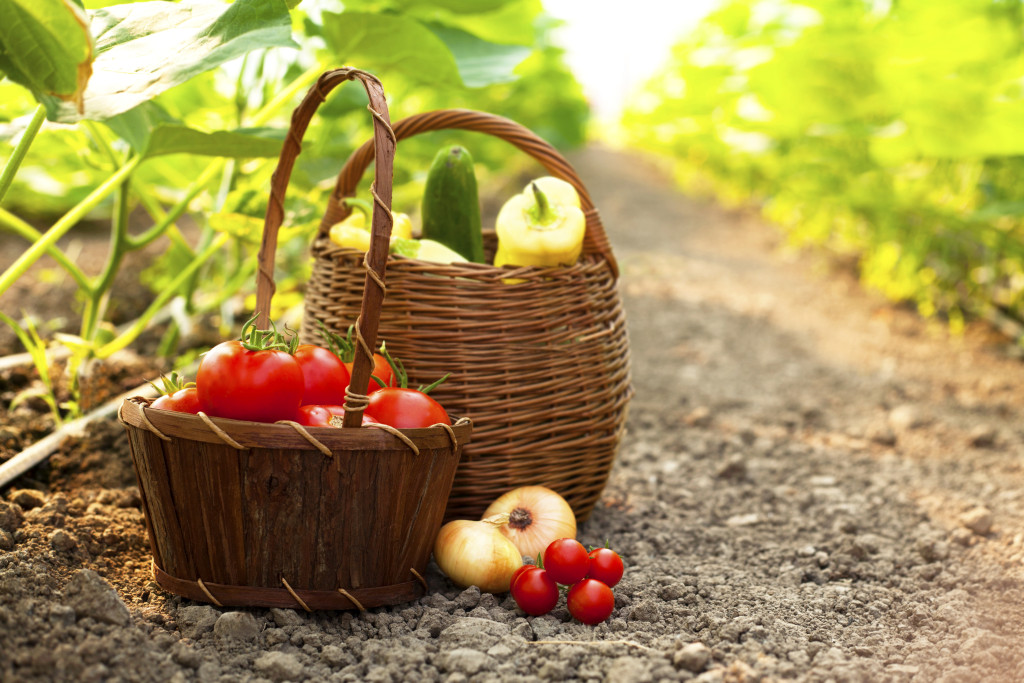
(451, 206)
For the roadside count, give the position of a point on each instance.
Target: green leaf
(46, 46)
(145, 48)
(480, 62)
(384, 43)
(151, 132)
(510, 24)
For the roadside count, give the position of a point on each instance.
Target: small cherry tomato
(535, 591)
(405, 408)
(566, 561)
(605, 566)
(324, 375)
(182, 401)
(590, 601)
(519, 572)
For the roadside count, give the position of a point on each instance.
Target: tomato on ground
(566, 561)
(535, 591)
(590, 601)
(263, 385)
(324, 375)
(605, 566)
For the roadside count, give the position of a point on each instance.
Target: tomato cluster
(588, 576)
(264, 377)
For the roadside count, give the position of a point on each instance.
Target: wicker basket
(278, 515)
(541, 367)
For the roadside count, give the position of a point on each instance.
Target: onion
(476, 554)
(536, 517)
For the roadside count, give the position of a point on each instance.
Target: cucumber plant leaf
(145, 48)
(46, 46)
(152, 131)
(480, 62)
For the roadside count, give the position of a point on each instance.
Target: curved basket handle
(383, 148)
(595, 240)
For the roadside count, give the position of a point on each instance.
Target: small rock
(982, 436)
(332, 655)
(6, 540)
(692, 657)
(467, 661)
(468, 599)
(28, 498)
(239, 625)
(978, 520)
(735, 469)
(932, 550)
(699, 417)
(743, 520)
(11, 516)
(280, 666)
(285, 617)
(474, 633)
(62, 541)
(905, 417)
(881, 434)
(90, 595)
(195, 620)
(646, 610)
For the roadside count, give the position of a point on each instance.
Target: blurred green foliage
(886, 131)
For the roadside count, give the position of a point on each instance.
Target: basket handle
(383, 148)
(595, 241)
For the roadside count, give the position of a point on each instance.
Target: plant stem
(14, 163)
(63, 224)
(129, 335)
(118, 246)
(19, 227)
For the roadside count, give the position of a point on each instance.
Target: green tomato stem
(18, 156)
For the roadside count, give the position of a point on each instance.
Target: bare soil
(815, 485)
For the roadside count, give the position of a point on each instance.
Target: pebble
(978, 520)
(90, 595)
(467, 661)
(195, 620)
(6, 540)
(905, 417)
(474, 633)
(280, 666)
(28, 498)
(11, 516)
(62, 541)
(239, 625)
(982, 436)
(285, 617)
(692, 657)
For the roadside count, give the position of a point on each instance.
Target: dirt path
(814, 486)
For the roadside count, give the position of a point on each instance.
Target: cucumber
(451, 206)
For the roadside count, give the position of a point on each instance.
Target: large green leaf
(384, 43)
(145, 48)
(46, 46)
(480, 62)
(152, 132)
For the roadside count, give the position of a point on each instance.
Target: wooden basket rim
(135, 411)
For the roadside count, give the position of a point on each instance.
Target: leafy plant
(888, 132)
(192, 129)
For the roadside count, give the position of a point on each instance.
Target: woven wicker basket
(541, 367)
(278, 515)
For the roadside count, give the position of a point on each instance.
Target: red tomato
(590, 601)
(324, 375)
(519, 572)
(263, 386)
(535, 591)
(181, 401)
(381, 369)
(566, 561)
(320, 416)
(405, 408)
(605, 566)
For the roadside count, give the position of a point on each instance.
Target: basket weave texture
(541, 366)
(279, 515)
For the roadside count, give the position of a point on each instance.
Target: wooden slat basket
(279, 515)
(541, 366)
